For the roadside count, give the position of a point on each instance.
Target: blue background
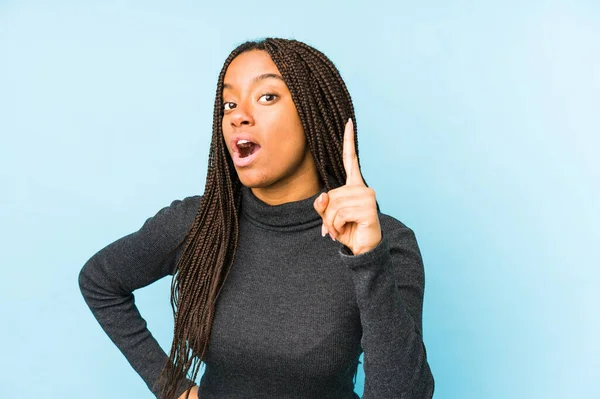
(479, 128)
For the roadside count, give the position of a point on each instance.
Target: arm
(387, 270)
(108, 279)
(389, 283)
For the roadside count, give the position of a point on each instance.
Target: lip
(238, 161)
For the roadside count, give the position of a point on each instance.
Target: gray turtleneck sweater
(294, 315)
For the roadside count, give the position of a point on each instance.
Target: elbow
(98, 287)
(83, 279)
(92, 282)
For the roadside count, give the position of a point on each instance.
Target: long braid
(324, 105)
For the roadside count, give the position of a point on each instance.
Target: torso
(286, 322)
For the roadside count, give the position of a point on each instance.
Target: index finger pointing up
(353, 176)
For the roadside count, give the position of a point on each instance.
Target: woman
(270, 306)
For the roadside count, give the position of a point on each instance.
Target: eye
(269, 97)
(227, 106)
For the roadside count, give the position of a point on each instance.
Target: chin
(252, 179)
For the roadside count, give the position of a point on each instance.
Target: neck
(301, 187)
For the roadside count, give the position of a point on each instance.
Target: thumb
(321, 203)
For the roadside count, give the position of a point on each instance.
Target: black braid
(324, 105)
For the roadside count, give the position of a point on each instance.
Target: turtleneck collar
(290, 216)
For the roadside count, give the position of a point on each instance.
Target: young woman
(284, 270)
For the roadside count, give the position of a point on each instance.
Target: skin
(258, 102)
(193, 393)
(284, 169)
(349, 212)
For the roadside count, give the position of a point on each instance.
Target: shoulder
(144, 256)
(395, 229)
(175, 218)
(402, 242)
(182, 209)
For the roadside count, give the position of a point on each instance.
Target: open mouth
(244, 152)
(247, 148)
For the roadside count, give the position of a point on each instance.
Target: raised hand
(349, 212)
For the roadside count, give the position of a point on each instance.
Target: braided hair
(324, 105)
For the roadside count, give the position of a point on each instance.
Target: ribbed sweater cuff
(376, 256)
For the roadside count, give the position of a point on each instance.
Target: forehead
(247, 66)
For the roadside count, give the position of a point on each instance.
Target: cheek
(289, 131)
(292, 150)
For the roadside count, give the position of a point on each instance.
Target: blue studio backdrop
(478, 128)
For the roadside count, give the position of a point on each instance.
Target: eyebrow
(258, 78)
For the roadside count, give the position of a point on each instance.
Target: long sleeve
(389, 283)
(108, 279)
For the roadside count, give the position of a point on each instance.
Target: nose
(241, 116)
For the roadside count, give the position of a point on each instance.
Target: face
(263, 132)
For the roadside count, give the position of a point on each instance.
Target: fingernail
(323, 230)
